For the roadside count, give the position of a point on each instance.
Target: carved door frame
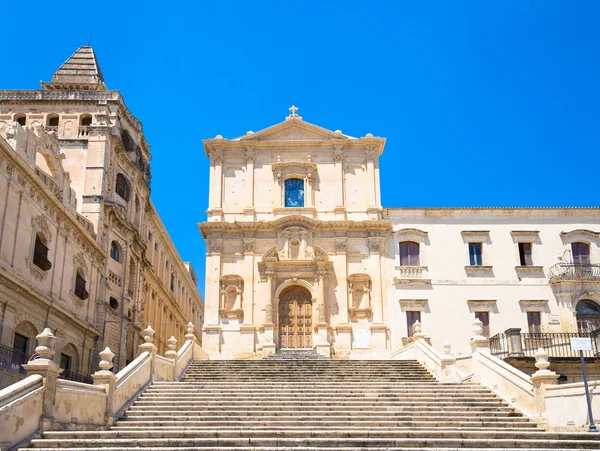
(309, 304)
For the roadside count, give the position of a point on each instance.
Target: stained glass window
(294, 193)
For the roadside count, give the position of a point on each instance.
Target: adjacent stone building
(82, 248)
(301, 254)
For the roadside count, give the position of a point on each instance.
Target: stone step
(304, 448)
(192, 419)
(207, 397)
(310, 425)
(412, 439)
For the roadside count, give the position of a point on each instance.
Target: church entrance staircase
(314, 404)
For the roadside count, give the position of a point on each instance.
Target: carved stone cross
(293, 110)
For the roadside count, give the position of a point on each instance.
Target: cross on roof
(293, 110)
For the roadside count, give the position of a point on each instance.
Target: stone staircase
(314, 404)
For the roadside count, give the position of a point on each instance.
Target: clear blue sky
(482, 102)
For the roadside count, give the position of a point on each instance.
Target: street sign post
(585, 344)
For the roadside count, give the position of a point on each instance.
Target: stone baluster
(45, 367)
(540, 380)
(107, 378)
(148, 346)
(190, 332)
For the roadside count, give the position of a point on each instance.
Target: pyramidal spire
(81, 72)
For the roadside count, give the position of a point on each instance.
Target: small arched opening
(20, 119)
(588, 316)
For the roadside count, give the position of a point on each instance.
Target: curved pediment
(295, 220)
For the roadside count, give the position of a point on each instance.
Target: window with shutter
(80, 290)
(40, 254)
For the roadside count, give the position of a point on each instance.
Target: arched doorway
(295, 318)
(588, 316)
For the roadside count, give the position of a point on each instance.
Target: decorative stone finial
(541, 359)
(478, 328)
(171, 353)
(107, 357)
(417, 327)
(339, 132)
(46, 344)
(219, 137)
(249, 132)
(369, 135)
(190, 331)
(447, 349)
(148, 334)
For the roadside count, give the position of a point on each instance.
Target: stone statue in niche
(230, 309)
(359, 287)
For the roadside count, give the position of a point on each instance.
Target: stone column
(108, 379)
(268, 326)
(215, 196)
(540, 380)
(8, 328)
(322, 342)
(45, 367)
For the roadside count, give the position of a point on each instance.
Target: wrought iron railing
(575, 271)
(512, 343)
(76, 377)
(12, 359)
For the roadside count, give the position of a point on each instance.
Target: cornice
(209, 228)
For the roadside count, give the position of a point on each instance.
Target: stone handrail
(440, 365)
(131, 380)
(21, 407)
(566, 406)
(82, 401)
(42, 402)
(184, 358)
(163, 369)
(200, 353)
(506, 381)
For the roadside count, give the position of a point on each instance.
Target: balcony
(12, 359)
(409, 275)
(574, 272)
(513, 344)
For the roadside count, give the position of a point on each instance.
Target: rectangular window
(581, 253)
(65, 362)
(40, 255)
(475, 254)
(411, 318)
(534, 322)
(484, 317)
(21, 343)
(294, 193)
(525, 254)
(409, 253)
(80, 290)
(172, 282)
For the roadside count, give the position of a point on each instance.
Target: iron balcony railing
(512, 343)
(76, 377)
(574, 271)
(12, 359)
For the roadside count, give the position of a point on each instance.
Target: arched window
(588, 316)
(294, 193)
(122, 187)
(409, 253)
(21, 119)
(85, 121)
(581, 253)
(40, 253)
(113, 303)
(80, 289)
(115, 252)
(52, 120)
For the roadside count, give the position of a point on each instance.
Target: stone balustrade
(42, 402)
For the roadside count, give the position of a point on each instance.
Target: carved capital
(215, 246)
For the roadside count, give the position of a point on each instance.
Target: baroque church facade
(82, 248)
(301, 254)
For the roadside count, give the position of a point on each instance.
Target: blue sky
(482, 102)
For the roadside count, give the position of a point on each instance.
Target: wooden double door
(295, 318)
